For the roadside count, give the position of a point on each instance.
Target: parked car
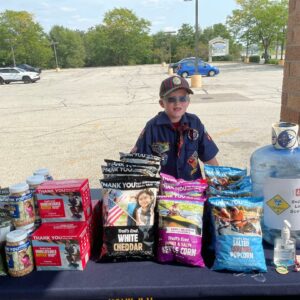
(174, 66)
(29, 68)
(8, 75)
(187, 69)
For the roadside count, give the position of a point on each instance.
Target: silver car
(8, 75)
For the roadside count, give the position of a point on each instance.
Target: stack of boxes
(62, 242)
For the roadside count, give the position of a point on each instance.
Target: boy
(178, 137)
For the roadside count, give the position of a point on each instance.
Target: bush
(273, 61)
(254, 59)
(222, 58)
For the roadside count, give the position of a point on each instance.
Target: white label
(282, 202)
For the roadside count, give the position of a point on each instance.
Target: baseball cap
(172, 84)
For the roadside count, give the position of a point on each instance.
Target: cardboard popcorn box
(64, 200)
(61, 246)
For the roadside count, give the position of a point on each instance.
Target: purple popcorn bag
(180, 230)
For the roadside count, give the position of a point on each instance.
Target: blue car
(187, 69)
(174, 66)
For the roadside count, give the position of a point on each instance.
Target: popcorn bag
(128, 217)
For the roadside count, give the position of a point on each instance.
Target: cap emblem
(176, 81)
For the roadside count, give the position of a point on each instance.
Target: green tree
(185, 42)
(122, 39)
(186, 36)
(95, 42)
(26, 37)
(160, 42)
(126, 38)
(70, 47)
(259, 22)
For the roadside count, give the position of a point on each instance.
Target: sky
(164, 15)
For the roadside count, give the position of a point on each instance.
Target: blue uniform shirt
(180, 156)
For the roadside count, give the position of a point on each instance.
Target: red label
(53, 208)
(47, 256)
(297, 192)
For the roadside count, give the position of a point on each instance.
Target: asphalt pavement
(70, 121)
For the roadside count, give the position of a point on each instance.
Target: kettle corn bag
(180, 230)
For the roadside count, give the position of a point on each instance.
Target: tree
(186, 36)
(160, 47)
(185, 42)
(95, 42)
(259, 21)
(19, 32)
(126, 38)
(70, 48)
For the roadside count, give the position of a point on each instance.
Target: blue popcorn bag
(224, 178)
(238, 235)
(242, 189)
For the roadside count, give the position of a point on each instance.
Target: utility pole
(12, 50)
(196, 78)
(170, 44)
(55, 54)
(196, 39)
(13, 54)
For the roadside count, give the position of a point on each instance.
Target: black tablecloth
(146, 279)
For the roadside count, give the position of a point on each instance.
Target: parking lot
(71, 120)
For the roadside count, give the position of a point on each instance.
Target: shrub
(222, 58)
(273, 61)
(254, 59)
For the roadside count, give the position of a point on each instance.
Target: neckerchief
(180, 133)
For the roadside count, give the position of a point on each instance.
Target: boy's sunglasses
(179, 99)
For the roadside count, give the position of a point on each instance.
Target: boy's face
(175, 110)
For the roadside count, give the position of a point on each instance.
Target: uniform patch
(193, 134)
(193, 162)
(160, 147)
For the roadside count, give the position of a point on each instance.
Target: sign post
(218, 47)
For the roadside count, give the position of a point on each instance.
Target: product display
(147, 215)
(284, 248)
(238, 244)
(18, 253)
(5, 228)
(180, 229)
(171, 186)
(139, 158)
(61, 246)
(64, 200)
(43, 172)
(128, 217)
(275, 175)
(20, 204)
(224, 178)
(33, 182)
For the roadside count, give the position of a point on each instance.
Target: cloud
(67, 8)
(78, 18)
(45, 4)
(170, 28)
